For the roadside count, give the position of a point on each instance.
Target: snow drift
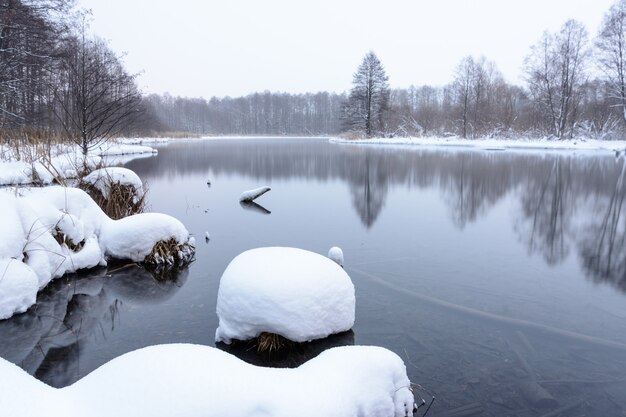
(191, 380)
(48, 232)
(294, 293)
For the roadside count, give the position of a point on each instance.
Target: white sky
(236, 47)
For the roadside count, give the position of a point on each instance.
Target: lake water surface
(487, 272)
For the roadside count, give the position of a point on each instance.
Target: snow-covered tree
(555, 71)
(369, 96)
(611, 53)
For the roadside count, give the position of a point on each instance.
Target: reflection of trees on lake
(47, 340)
(368, 194)
(472, 187)
(549, 187)
(603, 246)
(547, 209)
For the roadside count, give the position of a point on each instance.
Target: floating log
(251, 195)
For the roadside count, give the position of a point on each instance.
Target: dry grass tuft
(121, 201)
(168, 253)
(272, 342)
(62, 239)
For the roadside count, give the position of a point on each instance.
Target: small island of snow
(291, 292)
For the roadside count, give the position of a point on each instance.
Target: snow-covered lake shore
(489, 144)
(62, 162)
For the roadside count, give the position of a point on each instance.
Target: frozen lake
(487, 272)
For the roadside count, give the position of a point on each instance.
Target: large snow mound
(191, 380)
(292, 292)
(48, 232)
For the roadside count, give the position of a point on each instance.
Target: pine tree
(369, 97)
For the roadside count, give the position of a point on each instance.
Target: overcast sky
(217, 48)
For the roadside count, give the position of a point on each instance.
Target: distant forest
(57, 80)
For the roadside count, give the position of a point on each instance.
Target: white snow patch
(191, 380)
(292, 292)
(133, 237)
(494, 144)
(335, 254)
(63, 162)
(28, 248)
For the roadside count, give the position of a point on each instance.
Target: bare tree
(98, 98)
(555, 71)
(369, 96)
(611, 53)
(30, 35)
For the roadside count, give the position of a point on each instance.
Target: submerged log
(251, 195)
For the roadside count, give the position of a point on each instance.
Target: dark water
(487, 272)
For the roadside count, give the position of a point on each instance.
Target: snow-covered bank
(34, 167)
(496, 144)
(294, 293)
(191, 380)
(48, 232)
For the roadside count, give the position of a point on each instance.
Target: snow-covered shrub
(118, 191)
(294, 293)
(48, 232)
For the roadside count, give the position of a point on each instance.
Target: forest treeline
(57, 80)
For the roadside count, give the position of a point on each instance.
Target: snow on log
(291, 292)
(251, 195)
(186, 380)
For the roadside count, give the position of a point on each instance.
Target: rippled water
(488, 272)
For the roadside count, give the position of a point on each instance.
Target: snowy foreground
(48, 232)
(292, 292)
(497, 144)
(191, 380)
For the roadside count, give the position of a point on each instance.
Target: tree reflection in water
(603, 247)
(370, 191)
(548, 208)
(46, 341)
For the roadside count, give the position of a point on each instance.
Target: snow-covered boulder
(191, 380)
(294, 293)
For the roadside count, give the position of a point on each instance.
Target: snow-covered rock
(251, 195)
(48, 232)
(191, 380)
(295, 293)
(336, 254)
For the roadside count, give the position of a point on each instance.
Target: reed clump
(120, 200)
